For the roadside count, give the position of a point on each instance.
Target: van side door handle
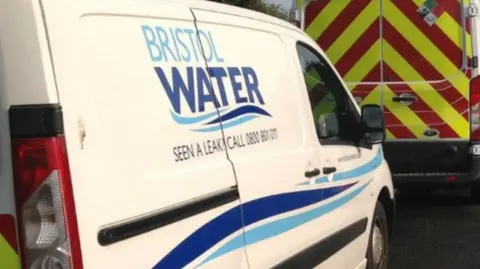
(329, 170)
(312, 173)
(404, 98)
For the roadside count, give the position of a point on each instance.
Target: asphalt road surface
(438, 231)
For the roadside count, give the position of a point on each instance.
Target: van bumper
(440, 178)
(432, 163)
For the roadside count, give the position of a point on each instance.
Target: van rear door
(427, 53)
(427, 59)
(414, 58)
(152, 190)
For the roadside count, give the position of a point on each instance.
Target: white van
(171, 134)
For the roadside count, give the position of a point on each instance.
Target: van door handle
(329, 170)
(408, 98)
(312, 173)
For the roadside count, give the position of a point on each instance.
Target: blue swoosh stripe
(240, 111)
(269, 206)
(202, 239)
(191, 120)
(280, 226)
(226, 224)
(323, 179)
(318, 180)
(226, 125)
(366, 168)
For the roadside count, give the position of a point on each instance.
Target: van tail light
(475, 109)
(47, 222)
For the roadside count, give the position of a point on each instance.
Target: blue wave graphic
(227, 223)
(371, 165)
(192, 120)
(230, 221)
(227, 125)
(247, 109)
(202, 239)
(230, 119)
(280, 226)
(318, 180)
(361, 170)
(269, 206)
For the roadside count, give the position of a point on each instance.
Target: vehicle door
(347, 163)
(427, 55)
(151, 189)
(268, 136)
(427, 52)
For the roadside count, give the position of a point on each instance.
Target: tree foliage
(260, 6)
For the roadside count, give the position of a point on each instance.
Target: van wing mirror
(373, 124)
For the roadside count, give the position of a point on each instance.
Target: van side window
(335, 117)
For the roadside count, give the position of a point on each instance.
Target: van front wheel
(377, 252)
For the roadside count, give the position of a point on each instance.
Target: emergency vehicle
(418, 59)
(180, 134)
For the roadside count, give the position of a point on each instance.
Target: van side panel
(278, 142)
(136, 99)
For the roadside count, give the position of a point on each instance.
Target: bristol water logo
(204, 99)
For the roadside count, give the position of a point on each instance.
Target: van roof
(239, 12)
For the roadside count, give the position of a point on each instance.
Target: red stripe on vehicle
(468, 26)
(452, 7)
(424, 68)
(367, 88)
(466, 113)
(435, 34)
(395, 126)
(314, 8)
(422, 110)
(358, 49)
(7, 229)
(342, 21)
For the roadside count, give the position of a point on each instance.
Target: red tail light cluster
(44, 199)
(475, 109)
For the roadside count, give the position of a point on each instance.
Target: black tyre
(378, 243)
